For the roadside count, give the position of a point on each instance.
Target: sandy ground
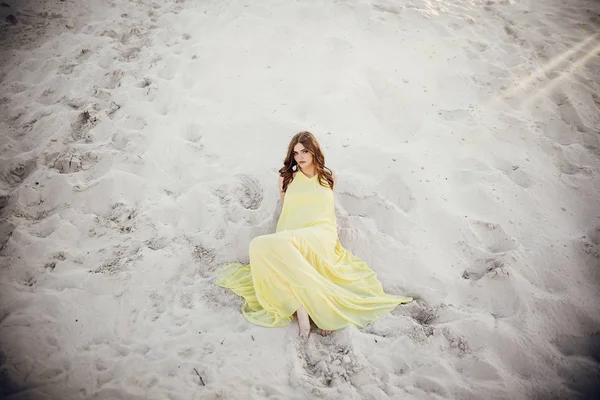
(140, 148)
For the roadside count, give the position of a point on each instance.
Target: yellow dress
(304, 263)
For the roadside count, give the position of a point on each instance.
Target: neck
(310, 171)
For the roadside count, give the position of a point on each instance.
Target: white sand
(139, 154)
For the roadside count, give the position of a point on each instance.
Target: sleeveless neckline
(300, 172)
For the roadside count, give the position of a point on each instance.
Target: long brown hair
(290, 166)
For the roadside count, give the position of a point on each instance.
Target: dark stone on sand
(11, 19)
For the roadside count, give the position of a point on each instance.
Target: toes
(304, 333)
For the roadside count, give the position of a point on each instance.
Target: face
(302, 156)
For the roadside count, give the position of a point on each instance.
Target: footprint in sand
(186, 300)
(29, 280)
(244, 194)
(512, 32)
(66, 69)
(119, 259)
(567, 168)
(478, 370)
(124, 139)
(491, 267)
(156, 243)
(560, 160)
(192, 134)
(206, 261)
(591, 140)
(18, 87)
(568, 113)
(83, 55)
(6, 231)
(565, 128)
(113, 79)
(456, 342)
(145, 83)
(16, 170)
(465, 116)
(249, 192)
(131, 54)
(588, 249)
(157, 306)
(81, 127)
(421, 312)
(394, 9)
(386, 215)
(70, 162)
(324, 363)
(110, 267)
(123, 216)
(491, 252)
(133, 32)
(50, 266)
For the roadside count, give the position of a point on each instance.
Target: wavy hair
(290, 166)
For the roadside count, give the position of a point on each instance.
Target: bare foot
(326, 333)
(303, 323)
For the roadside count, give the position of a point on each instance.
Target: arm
(280, 185)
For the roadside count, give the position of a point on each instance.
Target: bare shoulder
(280, 183)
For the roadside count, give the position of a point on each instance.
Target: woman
(302, 268)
